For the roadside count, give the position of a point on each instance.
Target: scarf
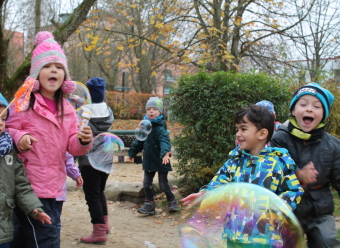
(296, 131)
(6, 144)
(153, 120)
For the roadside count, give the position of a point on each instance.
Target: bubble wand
(22, 96)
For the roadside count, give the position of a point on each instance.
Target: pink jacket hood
(45, 162)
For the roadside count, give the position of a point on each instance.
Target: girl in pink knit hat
(43, 133)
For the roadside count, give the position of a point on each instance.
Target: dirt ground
(129, 228)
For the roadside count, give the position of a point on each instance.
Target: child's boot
(148, 208)
(106, 219)
(172, 205)
(98, 235)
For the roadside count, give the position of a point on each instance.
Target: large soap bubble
(143, 130)
(242, 212)
(101, 154)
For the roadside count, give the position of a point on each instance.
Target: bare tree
(230, 31)
(143, 37)
(316, 39)
(10, 83)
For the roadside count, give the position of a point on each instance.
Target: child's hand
(191, 198)
(26, 142)
(307, 174)
(166, 158)
(42, 217)
(74, 98)
(87, 134)
(130, 160)
(79, 181)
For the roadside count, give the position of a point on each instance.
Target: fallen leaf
(158, 221)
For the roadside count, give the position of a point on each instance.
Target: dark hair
(259, 116)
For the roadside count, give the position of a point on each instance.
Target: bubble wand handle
(3, 111)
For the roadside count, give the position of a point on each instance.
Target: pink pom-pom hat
(49, 51)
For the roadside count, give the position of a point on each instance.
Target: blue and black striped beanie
(314, 89)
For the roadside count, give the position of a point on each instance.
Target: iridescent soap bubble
(145, 125)
(143, 130)
(105, 145)
(81, 92)
(240, 208)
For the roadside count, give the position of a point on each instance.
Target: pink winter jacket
(45, 162)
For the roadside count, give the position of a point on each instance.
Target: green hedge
(205, 105)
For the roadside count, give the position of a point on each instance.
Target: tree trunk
(37, 16)
(61, 34)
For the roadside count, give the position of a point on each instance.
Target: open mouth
(52, 80)
(307, 120)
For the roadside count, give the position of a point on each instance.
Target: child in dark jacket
(15, 188)
(156, 157)
(95, 180)
(317, 155)
(252, 162)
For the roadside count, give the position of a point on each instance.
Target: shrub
(205, 105)
(333, 121)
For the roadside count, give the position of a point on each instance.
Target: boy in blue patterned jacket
(251, 162)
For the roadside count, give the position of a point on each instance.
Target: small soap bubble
(143, 129)
(145, 125)
(141, 134)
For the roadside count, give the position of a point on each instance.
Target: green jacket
(15, 189)
(154, 148)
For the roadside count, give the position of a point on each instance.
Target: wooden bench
(128, 137)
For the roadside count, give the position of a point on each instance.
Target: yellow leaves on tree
(159, 25)
(107, 41)
(93, 43)
(227, 56)
(133, 42)
(123, 12)
(120, 47)
(238, 21)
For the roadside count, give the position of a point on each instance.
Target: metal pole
(123, 84)
(123, 80)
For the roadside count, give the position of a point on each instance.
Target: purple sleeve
(72, 169)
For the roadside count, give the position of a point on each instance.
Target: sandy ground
(129, 228)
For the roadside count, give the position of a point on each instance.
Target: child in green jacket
(156, 157)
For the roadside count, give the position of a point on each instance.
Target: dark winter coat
(325, 154)
(154, 148)
(15, 189)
